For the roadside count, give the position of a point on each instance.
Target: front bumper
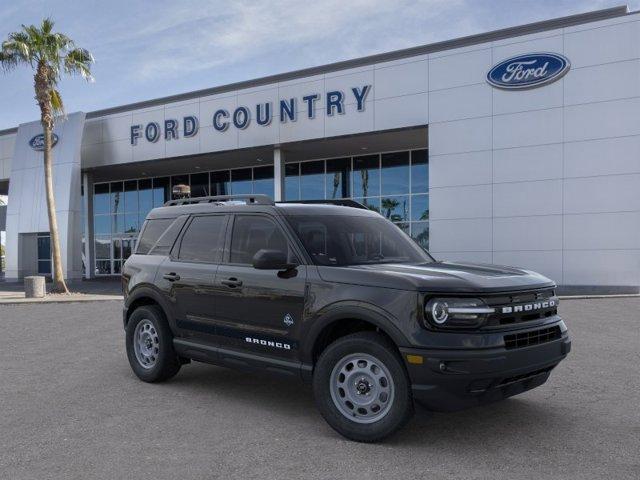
(453, 379)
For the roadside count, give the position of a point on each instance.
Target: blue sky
(148, 49)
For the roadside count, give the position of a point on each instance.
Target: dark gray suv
(334, 295)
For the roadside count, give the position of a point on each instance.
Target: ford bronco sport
(334, 295)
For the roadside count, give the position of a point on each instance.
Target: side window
(168, 238)
(152, 231)
(203, 241)
(253, 233)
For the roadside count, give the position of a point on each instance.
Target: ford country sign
(37, 142)
(528, 71)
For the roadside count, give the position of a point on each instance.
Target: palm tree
(49, 54)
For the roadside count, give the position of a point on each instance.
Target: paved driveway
(71, 408)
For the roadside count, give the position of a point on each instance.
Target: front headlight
(456, 312)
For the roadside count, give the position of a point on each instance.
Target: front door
(259, 310)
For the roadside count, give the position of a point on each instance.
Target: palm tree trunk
(59, 285)
(43, 96)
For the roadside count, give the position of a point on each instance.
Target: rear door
(259, 310)
(187, 275)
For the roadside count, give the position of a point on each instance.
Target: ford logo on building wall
(528, 71)
(37, 142)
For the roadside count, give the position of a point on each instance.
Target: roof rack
(257, 199)
(341, 202)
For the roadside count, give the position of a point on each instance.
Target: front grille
(535, 337)
(521, 307)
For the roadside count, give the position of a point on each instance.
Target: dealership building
(518, 147)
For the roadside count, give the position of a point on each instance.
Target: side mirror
(271, 260)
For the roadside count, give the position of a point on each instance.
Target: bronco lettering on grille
(529, 307)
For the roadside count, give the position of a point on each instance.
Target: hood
(438, 277)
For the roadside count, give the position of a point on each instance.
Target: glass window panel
(420, 233)
(241, 181)
(366, 176)
(253, 233)
(403, 226)
(395, 173)
(103, 247)
(131, 223)
(292, 181)
(204, 239)
(178, 180)
(220, 184)
(199, 184)
(117, 267)
(370, 203)
(419, 171)
(116, 197)
(127, 247)
(131, 196)
(102, 224)
(101, 198)
(312, 180)
(117, 223)
(160, 191)
(44, 267)
(338, 178)
(153, 229)
(44, 247)
(263, 180)
(395, 209)
(117, 247)
(420, 207)
(145, 198)
(103, 267)
(165, 242)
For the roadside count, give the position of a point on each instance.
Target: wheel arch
(144, 295)
(341, 320)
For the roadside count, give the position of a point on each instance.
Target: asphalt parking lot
(71, 408)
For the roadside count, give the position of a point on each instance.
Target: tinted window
(168, 238)
(338, 240)
(253, 233)
(203, 240)
(151, 233)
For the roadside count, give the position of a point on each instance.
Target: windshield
(339, 240)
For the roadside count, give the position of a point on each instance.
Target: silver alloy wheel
(362, 388)
(146, 343)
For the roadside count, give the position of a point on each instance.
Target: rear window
(153, 230)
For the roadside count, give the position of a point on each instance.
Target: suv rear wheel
(150, 345)
(361, 387)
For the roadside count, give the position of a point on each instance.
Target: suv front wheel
(150, 345)
(361, 387)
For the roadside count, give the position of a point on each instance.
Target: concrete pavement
(71, 408)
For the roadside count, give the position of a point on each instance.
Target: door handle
(172, 277)
(232, 282)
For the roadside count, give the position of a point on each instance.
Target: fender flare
(147, 291)
(351, 310)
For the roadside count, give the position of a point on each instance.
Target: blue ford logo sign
(37, 142)
(528, 71)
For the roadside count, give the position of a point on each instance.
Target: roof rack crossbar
(344, 202)
(257, 199)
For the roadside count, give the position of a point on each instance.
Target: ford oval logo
(528, 71)
(37, 142)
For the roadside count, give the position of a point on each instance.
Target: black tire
(166, 364)
(400, 408)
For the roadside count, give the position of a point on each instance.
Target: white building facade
(517, 147)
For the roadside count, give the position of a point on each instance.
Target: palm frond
(56, 102)
(78, 61)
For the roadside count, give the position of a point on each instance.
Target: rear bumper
(450, 380)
